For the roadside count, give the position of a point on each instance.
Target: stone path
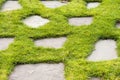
(11, 5)
(104, 49)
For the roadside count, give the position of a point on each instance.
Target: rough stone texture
(118, 25)
(104, 50)
(92, 5)
(35, 21)
(5, 42)
(80, 21)
(53, 4)
(51, 42)
(11, 5)
(95, 79)
(38, 72)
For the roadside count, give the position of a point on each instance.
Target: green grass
(80, 40)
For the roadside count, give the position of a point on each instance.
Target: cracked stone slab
(38, 72)
(35, 21)
(92, 5)
(11, 5)
(5, 42)
(104, 50)
(51, 42)
(95, 79)
(53, 4)
(80, 21)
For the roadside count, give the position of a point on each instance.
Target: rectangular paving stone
(51, 42)
(38, 72)
(78, 21)
(53, 4)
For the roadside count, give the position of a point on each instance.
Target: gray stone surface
(104, 50)
(35, 21)
(51, 42)
(11, 5)
(118, 25)
(38, 72)
(95, 79)
(53, 4)
(80, 21)
(92, 5)
(5, 42)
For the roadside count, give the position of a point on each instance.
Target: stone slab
(35, 21)
(80, 21)
(95, 79)
(118, 24)
(104, 50)
(53, 4)
(93, 5)
(5, 42)
(11, 5)
(51, 42)
(38, 72)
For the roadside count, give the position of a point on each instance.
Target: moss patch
(80, 40)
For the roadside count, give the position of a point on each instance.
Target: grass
(80, 40)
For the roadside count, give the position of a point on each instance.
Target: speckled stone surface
(11, 5)
(104, 50)
(38, 72)
(51, 42)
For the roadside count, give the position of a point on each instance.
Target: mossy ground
(80, 40)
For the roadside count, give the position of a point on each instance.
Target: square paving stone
(104, 50)
(53, 4)
(35, 21)
(92, 5)
(11, 5)
(51, 42)
(38, 72)
(80, 21)
(5, 42)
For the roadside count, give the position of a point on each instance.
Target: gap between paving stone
(35, 21)
(11, 5)
(5, 42)
(51, 42)
(38, 72)
(92, 5)
(80, 21)
(53, 4)
(104, 50)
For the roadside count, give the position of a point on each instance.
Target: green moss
(80, 40)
